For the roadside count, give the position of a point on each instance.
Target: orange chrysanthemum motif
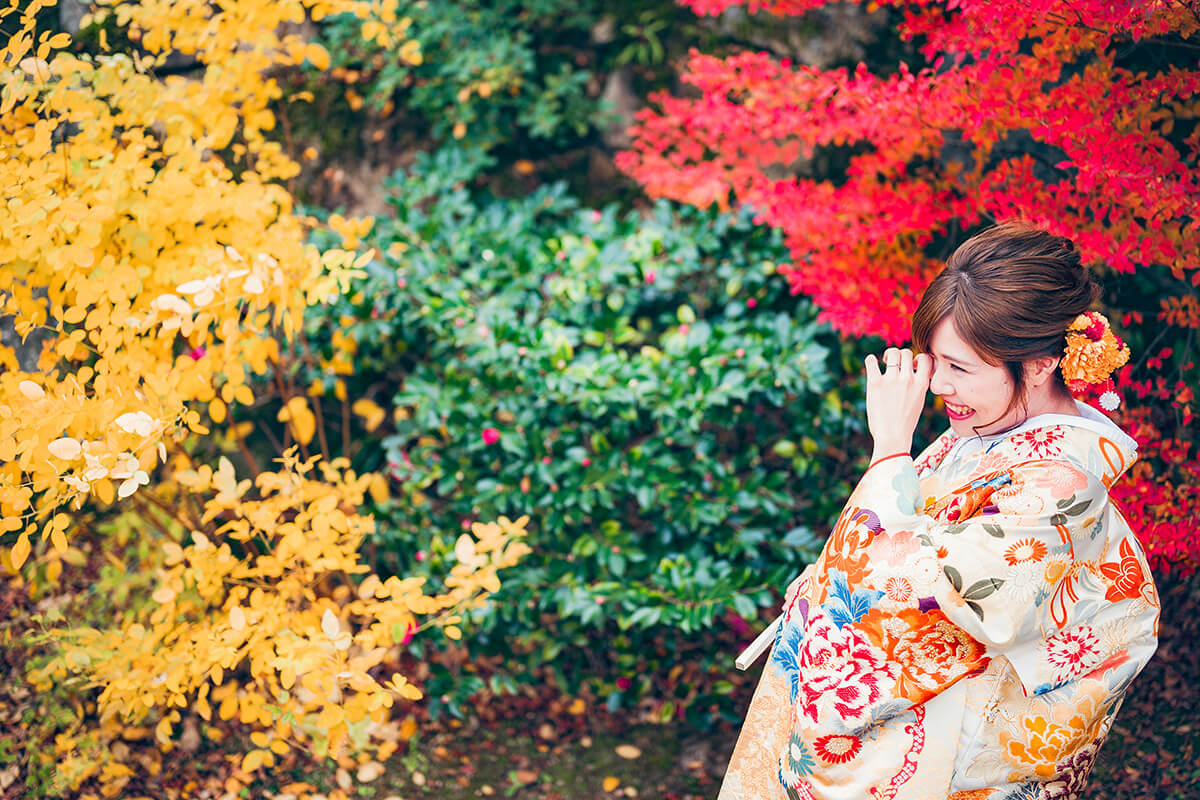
(1025, 550)
(1093, 351)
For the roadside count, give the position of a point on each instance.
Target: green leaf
(954, 576)
(982, 588)
(1078, 508)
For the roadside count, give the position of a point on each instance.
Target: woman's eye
(957, 367)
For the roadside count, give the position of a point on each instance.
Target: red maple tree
(1039, 110)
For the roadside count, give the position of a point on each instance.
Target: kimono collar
(1090, 419)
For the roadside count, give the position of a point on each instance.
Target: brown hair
(1012, 291)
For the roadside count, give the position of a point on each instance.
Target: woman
(977, 614)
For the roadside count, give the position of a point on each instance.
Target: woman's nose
(937, 381)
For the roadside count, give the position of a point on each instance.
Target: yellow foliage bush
(147, 237)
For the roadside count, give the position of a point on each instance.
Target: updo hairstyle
(1012, 291)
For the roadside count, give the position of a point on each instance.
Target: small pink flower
(401, 282)
(522, 350)
(624, 683)
(420, 555)
(409, 630)
(466, 524)
(740, 352)
(197, 353)
(650, 276)
(459, 322)
(600, 600)
(751, 302)
(587, 462)
(560, 255)
(545, 459)
(684, 328)
(597, 216)
(491, 435)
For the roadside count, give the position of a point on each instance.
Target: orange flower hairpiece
(1092, 354)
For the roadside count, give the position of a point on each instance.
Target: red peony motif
(1025, 550)
(835, 749)
(1073, 652)
(841, 665)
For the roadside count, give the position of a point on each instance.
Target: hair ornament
(1092, 354)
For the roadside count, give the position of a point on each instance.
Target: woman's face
(976, 394)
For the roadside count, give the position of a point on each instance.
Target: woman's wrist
(890, 447)
(878, 457)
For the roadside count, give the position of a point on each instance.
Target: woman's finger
(872, 364)
(923, 363)
(906, 361)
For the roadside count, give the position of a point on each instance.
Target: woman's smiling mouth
(958, 412)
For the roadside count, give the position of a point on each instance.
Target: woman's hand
(895, 397)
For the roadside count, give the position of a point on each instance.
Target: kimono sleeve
(998, 555)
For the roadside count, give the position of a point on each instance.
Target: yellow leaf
(628, 751)
(103, 489)
(378, 488)
(370, 411)
(611, 783)
(20, 551)
(244, 395)
(317, 56)
(237, 618)
(372, 29)
(58, 541)
(453, 631)
(253, 760)
(216, 410)
(301, 419)
(408, 728)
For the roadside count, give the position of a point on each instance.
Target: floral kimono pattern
(968, 631)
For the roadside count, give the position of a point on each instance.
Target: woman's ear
(1039, 370)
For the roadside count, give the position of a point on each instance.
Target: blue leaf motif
(844, 606)
(785, 657)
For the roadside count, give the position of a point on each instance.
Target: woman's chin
(962, 427)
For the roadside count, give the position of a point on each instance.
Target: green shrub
(666, 412)
(526, 78)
